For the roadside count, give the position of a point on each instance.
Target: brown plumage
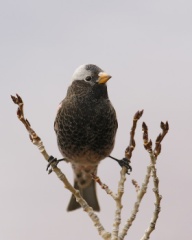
(86, 126)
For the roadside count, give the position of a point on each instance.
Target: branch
(140, 193)
(103, 186)
(118, 199)
(36, 140)
(136, 206)
(158, 197)
(165, 129)
(130, 148)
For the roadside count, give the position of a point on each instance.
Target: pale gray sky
(147, 47)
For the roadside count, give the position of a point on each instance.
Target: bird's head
(90, 74)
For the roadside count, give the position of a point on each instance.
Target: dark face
(91, 74)
(89, 79)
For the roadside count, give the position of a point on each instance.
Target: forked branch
(118, 196)
(140, 191)
(153, 156)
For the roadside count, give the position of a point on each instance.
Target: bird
(85, 127)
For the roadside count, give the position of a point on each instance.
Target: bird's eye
(88, 78)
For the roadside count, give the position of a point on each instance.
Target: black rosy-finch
(85, 127)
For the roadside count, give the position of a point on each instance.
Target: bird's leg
(123, 163)
(54, 161)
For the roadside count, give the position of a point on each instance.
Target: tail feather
(88, 193)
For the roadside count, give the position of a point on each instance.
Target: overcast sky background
(147, 47)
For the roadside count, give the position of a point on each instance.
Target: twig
(119, 206)
(130, 148)
(136, 185)
(36, 140)
(146, 143)
(151, 168)
(165, 129)
(158, 197)
(128, 155)
(140, 195)
(103, 186)
(118, 197)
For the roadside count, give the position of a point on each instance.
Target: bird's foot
(53, 162)
(123, 163)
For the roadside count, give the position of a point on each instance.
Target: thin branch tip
(141, 112)
(164, 126)
(144, 126)
(14, 99)
(138, 115)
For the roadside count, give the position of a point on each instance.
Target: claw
(54, 161)
(124, 163)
